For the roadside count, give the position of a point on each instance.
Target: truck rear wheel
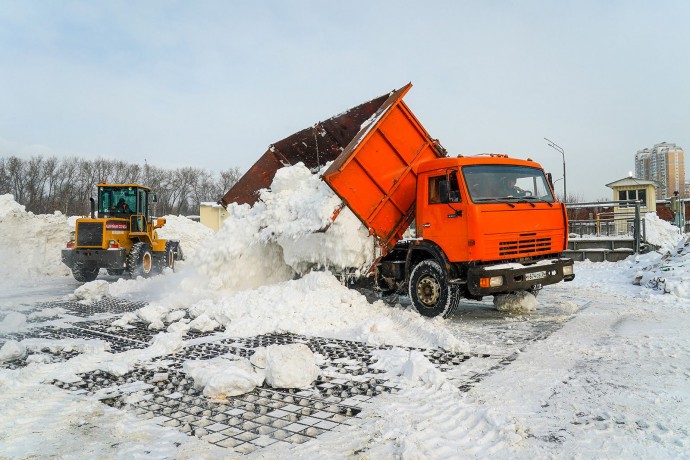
(140, 260)
(429, 292)
(85, 273)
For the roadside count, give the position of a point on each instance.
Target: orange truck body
(385, 175)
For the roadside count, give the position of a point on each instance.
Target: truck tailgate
(375, 174)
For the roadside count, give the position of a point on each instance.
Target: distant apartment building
(663, 164)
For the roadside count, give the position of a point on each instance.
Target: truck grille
(524, 246)
(90, 234)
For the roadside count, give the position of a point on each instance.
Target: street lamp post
(558, 148)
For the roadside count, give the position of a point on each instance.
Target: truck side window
(435, 189)
(444, 189)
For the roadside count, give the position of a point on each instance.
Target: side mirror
(549, 178)
(154, 198)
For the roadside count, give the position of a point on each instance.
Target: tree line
(47, 184)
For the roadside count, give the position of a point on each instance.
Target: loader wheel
(85, 273)
(430, 294)
(166, 258)
(140, 260)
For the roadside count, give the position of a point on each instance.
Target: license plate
(535, 276)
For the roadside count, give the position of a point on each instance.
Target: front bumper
(101, 258)
(519, 277)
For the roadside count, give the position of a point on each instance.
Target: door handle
(427, 225)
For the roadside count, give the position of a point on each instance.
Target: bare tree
(45, 185)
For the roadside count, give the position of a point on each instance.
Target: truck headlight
(493, 281)
(567, 270)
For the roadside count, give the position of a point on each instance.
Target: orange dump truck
(484, 225)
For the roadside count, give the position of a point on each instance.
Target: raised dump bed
(375, 175)
(314, 146)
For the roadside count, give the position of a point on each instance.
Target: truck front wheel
(429, 292)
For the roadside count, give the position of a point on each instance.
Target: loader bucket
(314, 146)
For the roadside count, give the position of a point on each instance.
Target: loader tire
(85, 273)
(140, 260)
(429, 292)
(166, 259)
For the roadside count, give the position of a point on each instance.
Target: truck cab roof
(459, 161)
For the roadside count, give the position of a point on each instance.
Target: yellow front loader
(120, 235)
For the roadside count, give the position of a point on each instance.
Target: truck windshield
(117, 200)
(506, 183)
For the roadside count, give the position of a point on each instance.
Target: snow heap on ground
(665, 271)
(280, 366)
(219, 377)
(289, 231)
(409, 368)
(661, 233)
(189, 233)
(30, 244)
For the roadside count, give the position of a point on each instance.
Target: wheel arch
(426, 250)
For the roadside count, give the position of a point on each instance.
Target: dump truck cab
(120, 235)
(493, 222)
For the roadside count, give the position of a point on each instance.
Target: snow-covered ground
(605, 375)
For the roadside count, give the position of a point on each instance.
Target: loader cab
(124, 200)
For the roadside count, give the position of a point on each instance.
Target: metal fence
(608, 219)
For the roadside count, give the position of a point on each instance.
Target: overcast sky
(212, 83)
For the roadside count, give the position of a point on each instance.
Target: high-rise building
(663, 164)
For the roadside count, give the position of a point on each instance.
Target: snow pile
(191, 234)
(281, 366)
(316, 304)
(287, 366)
(665, 272)
(235, 258)
(289, 231)
(661, 233)
(94, 290)
(12, 350)
(30, 245)
(13, 322)
(409, 368)
(299, 207)
(220, 377)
